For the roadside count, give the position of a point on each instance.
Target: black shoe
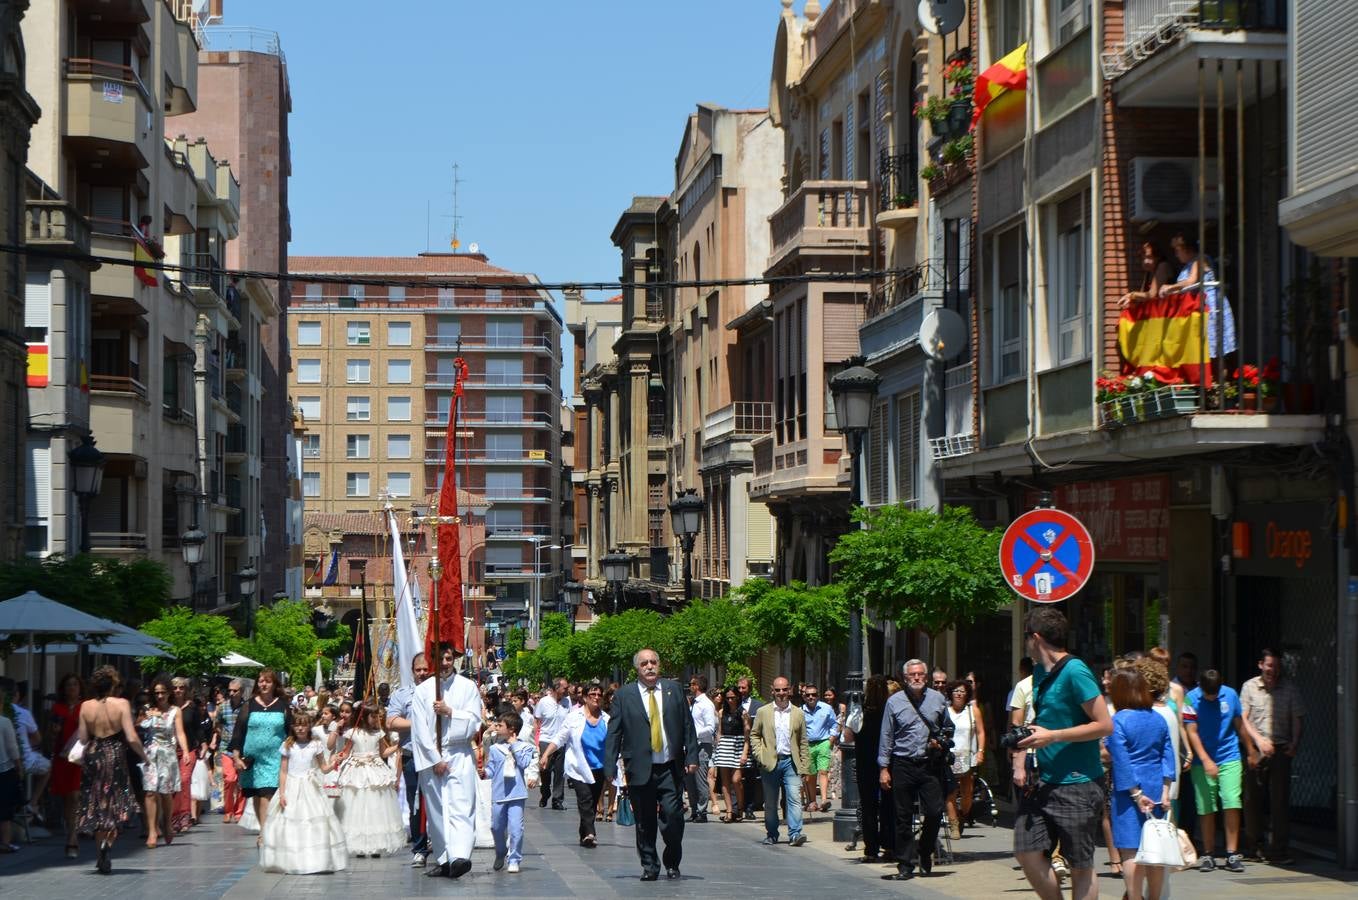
(542, 802)
(558, 805)
(900, 875)
(701, 819)
(459, 867)
(650, 875)
(926, 864)
(672, 873)
(442, 871)
(103, 865)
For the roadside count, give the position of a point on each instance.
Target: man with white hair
(909, 721)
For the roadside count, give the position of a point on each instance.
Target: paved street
(720, 861)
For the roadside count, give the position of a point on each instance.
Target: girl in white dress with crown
(301, 834)
(367, 780)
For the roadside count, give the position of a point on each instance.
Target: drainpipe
(200, 333)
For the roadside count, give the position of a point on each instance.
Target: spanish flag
(1009, 74)
(37, 365)
(1165, 338)
(141, 254)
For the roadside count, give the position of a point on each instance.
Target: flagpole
(435, 573)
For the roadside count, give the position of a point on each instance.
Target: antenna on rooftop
(457, 217)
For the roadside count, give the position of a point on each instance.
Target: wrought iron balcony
(899, 176)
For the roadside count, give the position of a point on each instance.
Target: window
(504, 334)
(356, 446)
(1068, 294)
(504, 446)
(397, 293)
(504, 485)
(358, 334)
(879, 426)
(358, 409)
(494, 295)
(398, 446)
(398, 371)
(1008, 303)
(907, 449)
(311, 446)
(311, 484)
(1067, 18)
(355, 291)
(313, 293)
(445, 296)
(504, 521)
(398, 409)
(447, 331)
(310, 408)
(358, 371)
(308, 334)
(504, 371)
(501, 408)
(308, 371)
(398, 484)
(356, 484)
(1008, 26)
(398, 334)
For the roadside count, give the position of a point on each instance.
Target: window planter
(1146, 406)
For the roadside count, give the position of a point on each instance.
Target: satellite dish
(473, 247)
(942, 16)
(942, 334)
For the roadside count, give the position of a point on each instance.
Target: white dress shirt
(664, 754)
(782, 730)
(704, 719)
(551, 715)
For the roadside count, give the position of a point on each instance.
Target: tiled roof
(432, 264)
(375, 522)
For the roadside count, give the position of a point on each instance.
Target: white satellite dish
(473, 247)
(941, 16)
(942, 334)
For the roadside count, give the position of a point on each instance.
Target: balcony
(109, 117)
(128, 544)
(524, 381)
(483, 419)
(55, 225)
(178, 193)
(181, 67)
(236, 443)
(763, 456)
(235, 491)
(235, 400)
(517, 532)
(128, 12)
(1164, 40)
(480, 456)
(236, 359)
(120, 414)
(740, 420)
(901, 290)
(527, 343)
(497, 494)
(898, 204)
(116, 290)
(824, 218)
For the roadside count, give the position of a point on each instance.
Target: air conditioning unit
(1165, 189)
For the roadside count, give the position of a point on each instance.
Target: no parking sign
(1046, 555)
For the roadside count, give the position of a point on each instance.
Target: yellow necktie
(657, 740)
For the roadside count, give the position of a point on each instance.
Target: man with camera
(1061, 795)
(912, 752)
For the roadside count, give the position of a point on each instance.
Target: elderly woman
(1143, 768)
(582, 738)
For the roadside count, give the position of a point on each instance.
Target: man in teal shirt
(1062, 803)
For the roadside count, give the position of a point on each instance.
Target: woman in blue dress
(260, 730)
(1143, 767)
(1196, 274)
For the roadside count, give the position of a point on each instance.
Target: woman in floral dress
(106, 730)
(164, 729)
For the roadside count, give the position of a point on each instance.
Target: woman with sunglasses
(582, 738)
(163, 725)
(733, 752)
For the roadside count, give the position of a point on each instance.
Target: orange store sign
(1283, 540)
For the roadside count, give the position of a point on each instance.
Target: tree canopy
(286, 641)
(923, 570)
(197, 642)
(129, 593)
(794, 615)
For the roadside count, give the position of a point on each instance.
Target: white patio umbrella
(236, 659)
(119, 645)
(33, 614)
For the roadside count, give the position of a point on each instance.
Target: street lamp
(573, 591)
(854, 390)
(535, 613)
(686, 517)
(617, 567)
(191, 545)
(248, 577)
(87, 466)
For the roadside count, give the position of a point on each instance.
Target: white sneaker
(512, 868)
(417, 861)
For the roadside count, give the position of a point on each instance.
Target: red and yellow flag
(141, 254)
(37, 365)
(1165, 338)
(1009, 74)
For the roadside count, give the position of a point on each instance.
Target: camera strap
(1050, 679)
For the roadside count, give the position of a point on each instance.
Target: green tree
(714, 631)
(197, 643)
(128, 593)
(286, 641)
(736, 671)
(794, 615)
(923, 570)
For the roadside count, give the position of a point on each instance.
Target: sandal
(589, 841)
(72, 851)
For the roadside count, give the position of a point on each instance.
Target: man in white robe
(447, 774)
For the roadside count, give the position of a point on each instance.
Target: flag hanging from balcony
(37, 365)
(141, 255)
(445, 626)
(332, 570)
(1164, 337)
(1009, 74)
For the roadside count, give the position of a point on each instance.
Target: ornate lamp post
(573, 592)
(854, 390)
(686, 517)
(617, 566)
(191, 545)
(248, 578)
(87, 467)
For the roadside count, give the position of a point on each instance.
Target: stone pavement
(723, 861)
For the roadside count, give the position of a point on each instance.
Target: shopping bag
(1186, 849)
(625, 816)
(1159, 844)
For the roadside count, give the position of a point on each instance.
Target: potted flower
(1109, 389)
(1259, 387)
(960, 78)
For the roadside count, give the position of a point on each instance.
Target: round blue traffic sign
(1046, 555)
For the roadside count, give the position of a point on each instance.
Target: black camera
(1009, 741)
(940, 746)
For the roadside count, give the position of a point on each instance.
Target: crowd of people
(324, 775)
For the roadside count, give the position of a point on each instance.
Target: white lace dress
(371, 821)
(304, 837)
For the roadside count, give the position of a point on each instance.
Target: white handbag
(1159, 844)
(75, 751)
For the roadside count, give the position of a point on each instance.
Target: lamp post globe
(87, 475)
(572, 591)
(686, 517)
(854, 389)
(617, 566)
(191, 545)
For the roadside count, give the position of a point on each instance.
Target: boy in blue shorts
(1214, 723)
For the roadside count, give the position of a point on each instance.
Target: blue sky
(558, 113)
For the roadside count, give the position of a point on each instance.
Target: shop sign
(1283, 540)
(1128, 518)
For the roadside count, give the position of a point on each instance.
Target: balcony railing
(482, 417)
(526, 342)
(118, 384)
(507, 494)
(205, 272)
(56, 223)
(483, 455)
(97, 68)
(527, 529)
(491, 379)
(741, 419)
(117, 540)
(1149, 25)
(898, 290)
(899, 176)
(822, 215)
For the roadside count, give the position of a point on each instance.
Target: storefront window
(1117, 612)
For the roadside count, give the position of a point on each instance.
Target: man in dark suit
(652, 730)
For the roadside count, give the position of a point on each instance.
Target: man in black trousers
(652, 730)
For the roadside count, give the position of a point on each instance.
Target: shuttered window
(907, 449)
(876, 453)
(842, 314)
(824, 168)
(850, 135)
(38, 502)
(1325, 143)
(37, 306)
(758, 533)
